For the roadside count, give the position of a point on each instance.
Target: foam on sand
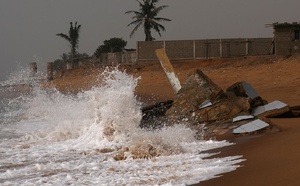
(77, 140)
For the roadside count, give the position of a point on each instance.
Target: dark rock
(201, 100)
(244, 89)
(153, 115)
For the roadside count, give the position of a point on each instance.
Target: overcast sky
(28, 28)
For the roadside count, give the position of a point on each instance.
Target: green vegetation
(111, 45)
(73, 38)
(147, 17)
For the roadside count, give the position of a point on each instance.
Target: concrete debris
(273, 109)
(251, 127)
(240, 118)
(200, 101)
(203, 105)
(243, 89)
(168, 68)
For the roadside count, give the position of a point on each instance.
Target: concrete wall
(185, 49)
(209, 48)
(112, 59)
(285, 42)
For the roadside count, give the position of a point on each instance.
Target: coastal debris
(168, 68)
(201, 100)
(153, 115)
(245, 90)
(251, 127)
(203, 105)
(240, 118)
(273, 109)
(295, 111)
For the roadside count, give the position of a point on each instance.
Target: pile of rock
(200, 101)
(203, 105)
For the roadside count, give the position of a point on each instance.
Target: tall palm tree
(147, 17)
(73, 38)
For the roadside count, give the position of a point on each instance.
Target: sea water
(93, 138)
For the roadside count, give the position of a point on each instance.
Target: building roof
(285, 24)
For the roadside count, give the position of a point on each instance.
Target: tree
(73, 38)
(111, 45)
(147, 17)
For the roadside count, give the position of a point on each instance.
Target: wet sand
(272, 158)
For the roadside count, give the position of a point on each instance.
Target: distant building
(286, 38)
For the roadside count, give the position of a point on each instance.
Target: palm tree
(147, 17)
(73, 39)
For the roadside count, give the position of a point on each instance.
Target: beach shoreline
(272, 158)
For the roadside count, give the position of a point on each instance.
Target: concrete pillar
(221, 49)
(50, 71)
(247, 47)
(168, 68)
(32, 69)
(194, 49)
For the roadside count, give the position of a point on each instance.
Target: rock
(143, 151)
(153, 115)
(244, 89)
(205, 107)
(121, 155)
(201, 100)
(244, 103)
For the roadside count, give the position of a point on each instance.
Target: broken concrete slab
(194, 94)
(201, 100)
(273, 109)
(240, 118)
(243, 89)
(204, 106)
(168, 68)
(251, 127)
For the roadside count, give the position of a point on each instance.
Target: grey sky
(28, 27)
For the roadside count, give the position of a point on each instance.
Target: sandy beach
(271, 158)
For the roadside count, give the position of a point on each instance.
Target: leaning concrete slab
(251, 127)
(273, 109)
(168, 68)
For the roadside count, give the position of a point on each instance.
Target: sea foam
(93, 138)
